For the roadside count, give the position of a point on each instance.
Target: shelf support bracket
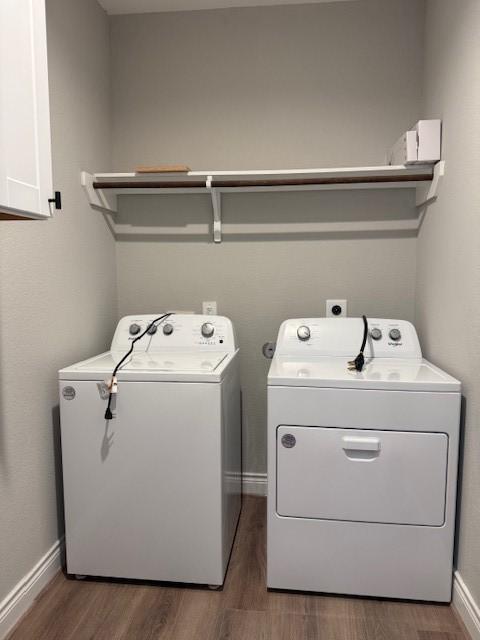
(426, 195)
(96, 197)
(217, 209)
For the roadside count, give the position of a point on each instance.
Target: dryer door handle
(360, 443)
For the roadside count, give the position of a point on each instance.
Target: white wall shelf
(102, 189)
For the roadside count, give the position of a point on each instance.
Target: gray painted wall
(272, 87)
(57, 289)
(448, 278)
(324, 85)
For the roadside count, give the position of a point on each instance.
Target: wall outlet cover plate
(336, 309)
(209, 308)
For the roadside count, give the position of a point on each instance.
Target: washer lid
(175, 361)
(383, 373)
(174, 365)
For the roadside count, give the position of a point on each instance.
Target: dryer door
(396, 477)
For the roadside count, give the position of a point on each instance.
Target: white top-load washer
(155, 492)
(362, 466)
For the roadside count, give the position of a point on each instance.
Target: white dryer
(155, 492)
(362, 466)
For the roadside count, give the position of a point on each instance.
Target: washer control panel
(343, 337)
(179, 331)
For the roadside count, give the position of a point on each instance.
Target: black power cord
(359, 362)
(113, 382)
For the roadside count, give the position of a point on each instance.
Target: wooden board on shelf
(163, 168)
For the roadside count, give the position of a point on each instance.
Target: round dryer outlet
(268, 350)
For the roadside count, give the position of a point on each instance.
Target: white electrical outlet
(209, 308)
(336, 309)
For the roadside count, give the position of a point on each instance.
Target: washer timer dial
(303, 333)
(207, 330)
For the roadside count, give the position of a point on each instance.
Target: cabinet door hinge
(57, 200)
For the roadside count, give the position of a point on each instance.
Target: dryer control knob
(167, 329)
(303, 333)
(153, 330)
(134, 329)
(376, 333)
(208, 330)
(395, 334)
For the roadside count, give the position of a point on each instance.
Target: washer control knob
(152, 330)
(167, 329)
(376, 333)
(208, 330)
(303, 333)
(395, 334)
(134, 329)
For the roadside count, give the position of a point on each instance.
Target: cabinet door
(25, 152)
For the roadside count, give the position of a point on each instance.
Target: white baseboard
(255, 484)
(466, 607)
(21, 597)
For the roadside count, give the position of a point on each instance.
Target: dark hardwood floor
(92, 610)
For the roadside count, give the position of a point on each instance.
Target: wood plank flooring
(93, 610)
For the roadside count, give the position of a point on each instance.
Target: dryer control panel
(387, 338)
(179, 331)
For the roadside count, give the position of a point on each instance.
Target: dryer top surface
(382, 373)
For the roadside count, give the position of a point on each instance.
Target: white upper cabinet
(25, 148)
